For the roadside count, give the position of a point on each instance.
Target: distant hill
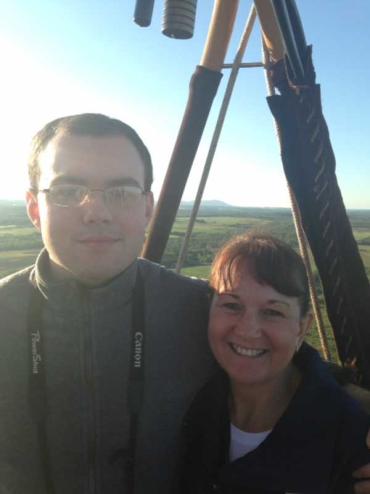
(206, 204)
(221, 208)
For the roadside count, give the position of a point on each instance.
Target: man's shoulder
(15, 285)
(157, 273)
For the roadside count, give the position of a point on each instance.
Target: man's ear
(149, 206)
(33, 209)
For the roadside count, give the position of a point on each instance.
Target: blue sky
(67, 56)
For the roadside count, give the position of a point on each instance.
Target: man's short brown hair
(86, 124)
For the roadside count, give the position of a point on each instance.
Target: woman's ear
(305, 325)
(149, 206)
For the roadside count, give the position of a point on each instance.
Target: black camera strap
(37, 382)
(136, 377)
(37, 379)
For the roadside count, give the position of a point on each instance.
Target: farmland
(20, 242)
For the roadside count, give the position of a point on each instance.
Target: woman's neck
(258, 408)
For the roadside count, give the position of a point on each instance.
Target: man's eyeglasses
(71, 195)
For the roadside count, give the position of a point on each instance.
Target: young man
(101, 353)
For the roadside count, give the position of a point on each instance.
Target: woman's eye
(231, 306)
(273, 313)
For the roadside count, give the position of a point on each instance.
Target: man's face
(92, 242)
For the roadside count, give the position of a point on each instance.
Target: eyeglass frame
(88, 192)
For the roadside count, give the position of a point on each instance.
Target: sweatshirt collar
(64, 292)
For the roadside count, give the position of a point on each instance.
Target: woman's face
(254, 330)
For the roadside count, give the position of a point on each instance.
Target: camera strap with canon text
(37, 379)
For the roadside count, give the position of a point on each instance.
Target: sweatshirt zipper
(91, 395)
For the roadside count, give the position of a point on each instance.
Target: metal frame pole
(216, 135)
(203, 88)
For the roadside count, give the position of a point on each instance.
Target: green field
(11, 261)
(197, 271)
(19, 245)
(20, 242)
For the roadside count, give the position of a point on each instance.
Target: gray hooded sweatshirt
(87, 344)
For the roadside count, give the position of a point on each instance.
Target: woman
(273, 420)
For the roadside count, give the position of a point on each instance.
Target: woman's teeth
(247, 352)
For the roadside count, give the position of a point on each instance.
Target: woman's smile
(247, 352)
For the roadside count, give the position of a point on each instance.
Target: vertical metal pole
(216, 136)
(203, 88)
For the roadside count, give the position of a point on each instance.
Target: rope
(303, 248)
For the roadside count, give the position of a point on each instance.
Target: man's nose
(95, 209)
(248, 325)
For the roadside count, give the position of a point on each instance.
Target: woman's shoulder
(320, 380)
(342, 419)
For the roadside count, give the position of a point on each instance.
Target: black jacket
(313, 449)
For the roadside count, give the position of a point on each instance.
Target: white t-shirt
(242, 442)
